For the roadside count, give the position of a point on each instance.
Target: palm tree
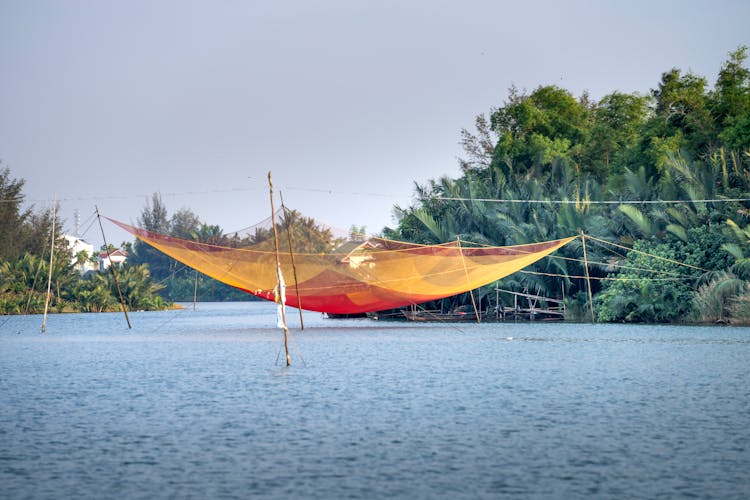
(210, 234)
(138, 291)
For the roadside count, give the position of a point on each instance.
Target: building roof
(116, 253)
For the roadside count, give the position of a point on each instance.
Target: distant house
(76, 245)
(118, 258)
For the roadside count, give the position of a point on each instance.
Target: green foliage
(181, 288)
(23, 288)
(138, 291)
(649, 290)
(21, 231)
(682, 103)
(683, 142)
(304, 235)
(95, 293)
(540, 127)
(184, 224)
(543, 159)
(177, 282)
(713, 301)
(725, 296)
(25, 267)
(154, 218)
(731, 101)
(617, 120)
(739, 309)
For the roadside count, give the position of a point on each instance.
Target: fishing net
(345, 275)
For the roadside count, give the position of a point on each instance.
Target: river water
(192, 404)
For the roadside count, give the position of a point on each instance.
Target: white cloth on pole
(280, 297)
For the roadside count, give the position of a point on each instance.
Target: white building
(77, 245)
(118, 258)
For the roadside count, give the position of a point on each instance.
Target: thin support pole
(497, 301)
(466, 271)
(278, 271)
(51, 255)
(588, 278)
(195, 290)
(294, 267)
(112, 269)
(33, 287)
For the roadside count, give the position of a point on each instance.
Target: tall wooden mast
(280, 292)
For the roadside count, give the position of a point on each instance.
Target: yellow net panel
(374, 275)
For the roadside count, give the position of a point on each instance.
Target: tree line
(149, 279)
(653, 173)
(25, 244)
(181, 283)
(555, 158)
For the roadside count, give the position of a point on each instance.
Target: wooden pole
(195, 290)
(51, 254)
(294, 267)
(497, 302)
(112, 269)
(588, 279)
(278, 271)
(466, 271)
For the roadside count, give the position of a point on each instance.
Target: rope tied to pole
(466, 271)
(112, 270)
(278, 272)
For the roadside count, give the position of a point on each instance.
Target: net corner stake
(51, 254)
(278, 271)
(588, 278)
(466, 271)
(112, 269)
(291, 256)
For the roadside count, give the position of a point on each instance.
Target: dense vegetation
(25, 266)
(541, 165)
(663, 176)
(148, 280)
(180, 282)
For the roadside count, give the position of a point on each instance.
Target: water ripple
(196, 409)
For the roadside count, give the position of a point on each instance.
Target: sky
(347, 103)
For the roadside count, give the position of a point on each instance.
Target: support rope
(294, 266)
(619, 266)
(112, 269)
(588, 202)
(600, 278)
(466, 271)
(671, 261)
(588, 278)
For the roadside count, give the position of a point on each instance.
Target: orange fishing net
(373, 275)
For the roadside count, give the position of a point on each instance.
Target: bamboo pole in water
(51, 255)
(195, 290)
(294, 267)
(588, 279)
(466, 271)
(278, 271)
(112, 269)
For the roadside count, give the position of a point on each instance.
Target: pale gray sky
(347, 102)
